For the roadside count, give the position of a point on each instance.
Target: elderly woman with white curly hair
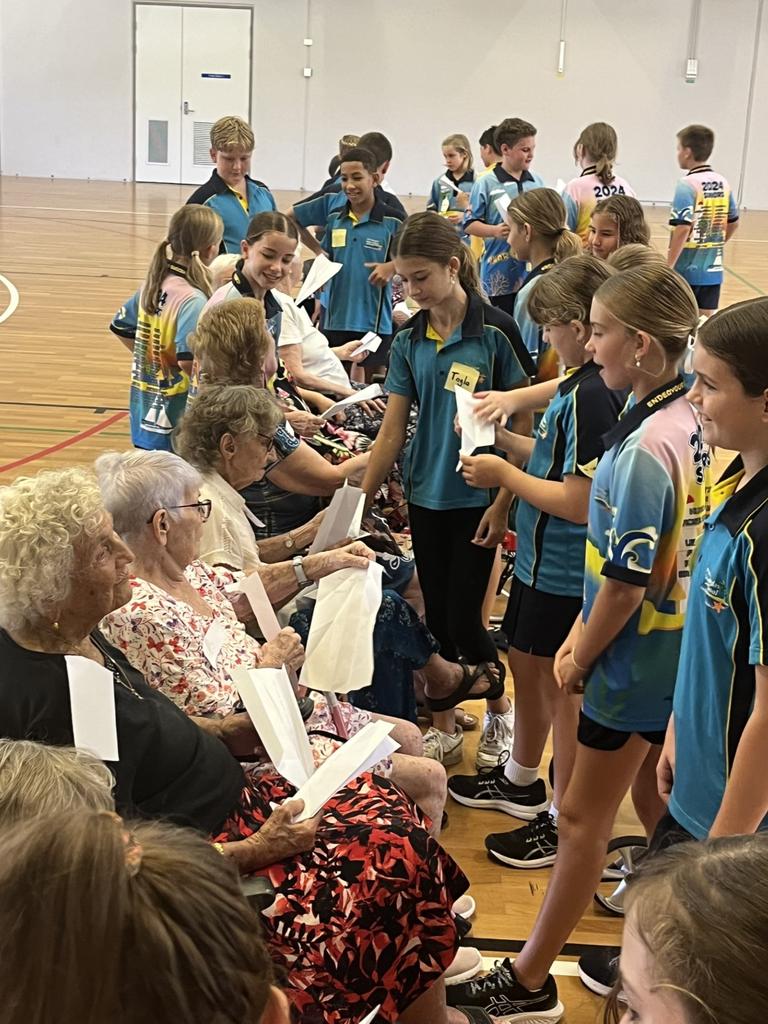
(363, 869)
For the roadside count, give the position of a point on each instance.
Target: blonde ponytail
(544, 212)
(192, 228)
(600, 142)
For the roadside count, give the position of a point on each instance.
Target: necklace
(117, 674)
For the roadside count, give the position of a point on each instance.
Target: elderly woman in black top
(361, 880)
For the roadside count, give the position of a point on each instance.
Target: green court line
(745, 281)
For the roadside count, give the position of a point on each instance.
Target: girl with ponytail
(456, 340)
(157, 321)
(538, 235)
(595, 152)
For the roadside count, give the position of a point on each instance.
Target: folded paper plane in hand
(319, 274)
(475, 433)
(372, 391)
(369, 342)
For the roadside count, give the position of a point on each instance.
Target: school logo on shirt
(543, 428)
(624, 549)
(714, 593)
(374, 243)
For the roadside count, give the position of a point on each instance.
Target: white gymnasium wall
(415, 70)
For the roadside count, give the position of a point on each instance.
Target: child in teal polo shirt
(230, 191)
(454, 528)
(359, 236)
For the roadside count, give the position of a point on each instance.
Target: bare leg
(493, 583)
(600, 780)
(431, 1008)
(407, 734)
(413, 595)
(425, 783)
(648, 804)
(443, 677)
(533, 705)
(565, 724)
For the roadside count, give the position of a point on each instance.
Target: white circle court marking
(13, 296)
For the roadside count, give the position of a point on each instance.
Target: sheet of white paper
(372, 391)
(501, 205)
(475, 433)
(214, 639)
(321, 271)
(271, 706)
(560, 186)
(371, 1016)
(254, 590)
(254, 519)
(445, 180)
(370, 342)
(360, 752)
(92, 701)
(341, 520)
(402, 307)
(339, 649)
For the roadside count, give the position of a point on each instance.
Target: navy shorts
(601, 737)
(707, 295)
(538, 623)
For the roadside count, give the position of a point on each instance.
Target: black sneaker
(532, 846)
(599, 969)
(490, 788)
(501, 995)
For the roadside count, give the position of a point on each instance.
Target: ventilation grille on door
(202, 157)
(157, 142)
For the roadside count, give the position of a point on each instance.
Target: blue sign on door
(213, 74)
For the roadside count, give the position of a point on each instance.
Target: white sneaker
(498, 734)
(466, 964)
(443, 747)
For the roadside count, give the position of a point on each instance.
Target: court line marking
(13, 302)
(75, 439)
(76, 209)
(744, 281)
(58, 405)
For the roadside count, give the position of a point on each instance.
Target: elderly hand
(242, 606)
(344, 352)
(304, 423)
(237, 733)
(483, 470)
(352, 556)
(279, 837)
(374, 408)
(284, 649)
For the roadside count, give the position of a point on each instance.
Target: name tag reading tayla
(462, 376)
(339, 238)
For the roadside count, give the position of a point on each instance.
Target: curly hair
(42, 521)
(231, 343)
(223, 409)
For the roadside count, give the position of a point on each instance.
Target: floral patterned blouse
(164, 638)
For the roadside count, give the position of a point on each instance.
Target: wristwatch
(289, 542)
(298, 568)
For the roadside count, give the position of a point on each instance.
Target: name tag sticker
(461, 376)
(339, 238)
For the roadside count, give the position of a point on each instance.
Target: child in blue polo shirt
(703, 217)
(548, 584)
(502, 274)
(449, 195)
(230, 191)
(647, 504)
(714, 758)
(359, 235)
(455, 528)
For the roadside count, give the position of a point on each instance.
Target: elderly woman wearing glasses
(362, 913)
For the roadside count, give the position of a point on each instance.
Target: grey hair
(135, 484)
(37, 781)
(222, 409)
(43, 519)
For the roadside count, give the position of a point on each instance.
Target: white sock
(553, 813)
(519, 775)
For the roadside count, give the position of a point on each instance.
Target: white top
(227, 535)
(296, 328)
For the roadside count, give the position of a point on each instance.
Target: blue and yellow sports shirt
(704, 200)
(234, 209)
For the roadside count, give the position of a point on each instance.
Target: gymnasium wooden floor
(70, 253)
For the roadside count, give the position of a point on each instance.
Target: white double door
(192, 66)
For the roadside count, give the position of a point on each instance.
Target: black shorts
(707, 295)
(668, 832)
(538, 623)
(600, 737)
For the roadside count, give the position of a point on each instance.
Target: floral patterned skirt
(365, 918)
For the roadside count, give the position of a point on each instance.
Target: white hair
(42, 520)
(135, 484)
(37, 781)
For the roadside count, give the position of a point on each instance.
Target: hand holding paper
(475, 433)
(319, 274)
(502, 204)
(342, 519)
(370, 342)
(372, 391)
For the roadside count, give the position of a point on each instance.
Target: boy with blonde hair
(230, 191)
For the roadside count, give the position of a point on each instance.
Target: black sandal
(462, 691)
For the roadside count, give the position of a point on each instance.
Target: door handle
(187, 108)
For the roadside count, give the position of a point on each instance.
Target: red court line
(64, 444)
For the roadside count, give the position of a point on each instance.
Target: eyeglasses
(203, 508)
